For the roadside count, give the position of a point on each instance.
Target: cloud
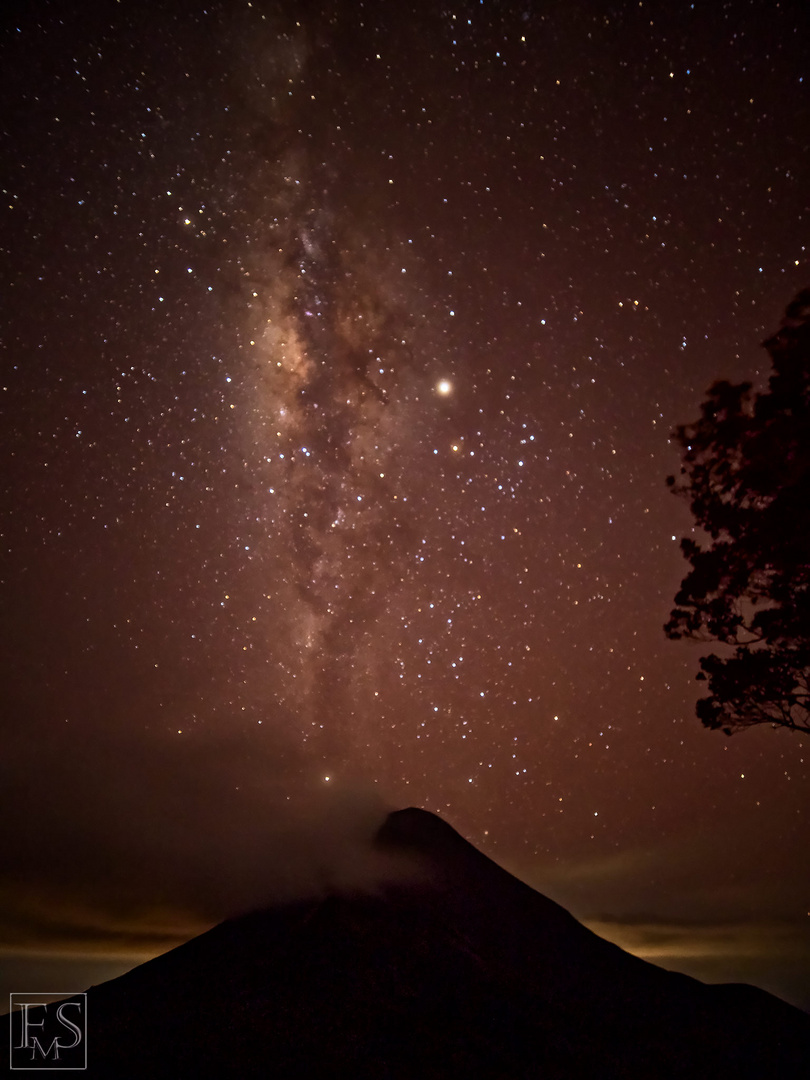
(660, 941)
(773, 955)
(685, 875)
(124, 843)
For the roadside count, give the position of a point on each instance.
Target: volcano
(460, 970)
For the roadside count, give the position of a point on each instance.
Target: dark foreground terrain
(464, 972)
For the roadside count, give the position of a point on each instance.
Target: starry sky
(342, 346)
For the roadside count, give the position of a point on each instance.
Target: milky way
(328, 366)
(331, 359)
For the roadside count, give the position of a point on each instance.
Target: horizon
(722, 951)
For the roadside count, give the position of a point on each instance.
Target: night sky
(342, 346)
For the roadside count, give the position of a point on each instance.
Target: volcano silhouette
(462, 971)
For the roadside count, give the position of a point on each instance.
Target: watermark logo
(48, 1031)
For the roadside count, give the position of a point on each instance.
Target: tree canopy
(746, 475)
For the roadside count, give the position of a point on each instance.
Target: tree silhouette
(746, 475)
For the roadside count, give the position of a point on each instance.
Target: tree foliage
(746, 475)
